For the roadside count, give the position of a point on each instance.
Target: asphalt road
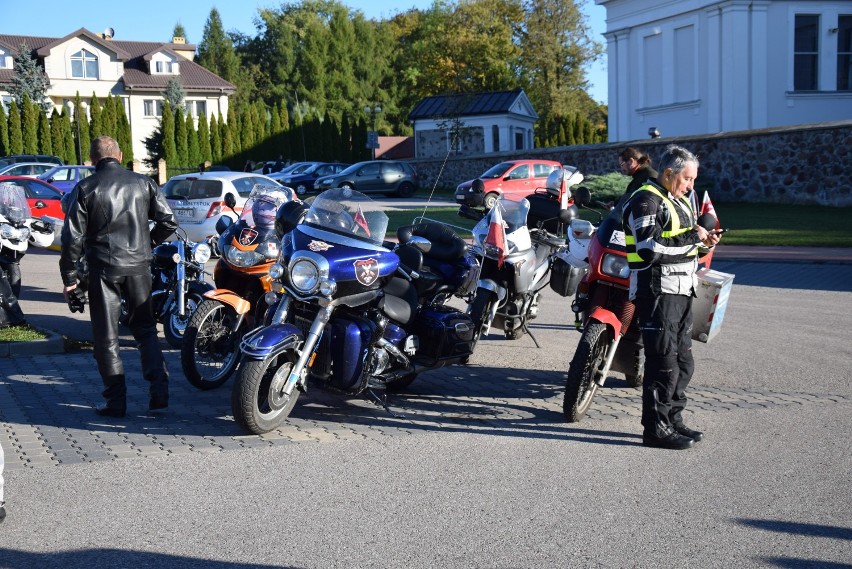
(479, 472)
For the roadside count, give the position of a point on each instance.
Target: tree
(29, 125)
(216, 50)
(96, 121)
(181, 139)
(57, 140)
(16, 139)
(123, 133)
(179, 32)
(167, 123)
(205, 147)
(174, 94)
(30, 80)
(215, 140)
(4, 132)
(45, 142)
(193, 152)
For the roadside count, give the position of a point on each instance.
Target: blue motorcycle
(352, 312)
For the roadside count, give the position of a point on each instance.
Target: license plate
(183, 212)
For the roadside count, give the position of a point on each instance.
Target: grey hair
(104, 147)
(676, 158)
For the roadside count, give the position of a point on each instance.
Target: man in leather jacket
(663, 239)
(108, 219)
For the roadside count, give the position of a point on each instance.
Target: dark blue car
(302, 181)
(64, 178)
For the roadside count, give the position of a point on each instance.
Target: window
(522, 172)
(652, 72)
(685, 64)
(165, 67)
(84, 65)
(495, 137)
(196, 108)
(806, 53)
(542, 170)
(370, 170)
(153, 108)
(844, 53)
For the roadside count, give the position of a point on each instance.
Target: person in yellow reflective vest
(663, 240)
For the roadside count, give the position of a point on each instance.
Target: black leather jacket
(108, 219)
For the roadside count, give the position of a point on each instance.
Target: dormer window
(84, 65)
(166, 67)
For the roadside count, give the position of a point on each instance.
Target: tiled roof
(467, 104)
(193, 77)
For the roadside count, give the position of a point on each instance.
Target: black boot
(687, 432)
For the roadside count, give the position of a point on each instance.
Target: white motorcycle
(17, 230)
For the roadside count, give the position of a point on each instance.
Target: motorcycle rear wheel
(257, 402)
(174, 326)
(210, 350)
(580, 387)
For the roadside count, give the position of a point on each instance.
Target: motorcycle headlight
(615, 266)
(328, 288)
(8, 232)
(243, 258)
(304, 276)
(276, 270)
(201, 253)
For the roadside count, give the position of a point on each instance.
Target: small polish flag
(497, 234)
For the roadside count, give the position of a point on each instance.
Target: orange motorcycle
(211, 347)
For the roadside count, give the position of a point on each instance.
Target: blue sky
(154, 20)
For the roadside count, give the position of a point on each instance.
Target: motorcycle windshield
(13, 203)
(348, 213)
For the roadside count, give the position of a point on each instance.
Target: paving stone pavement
(50, 421)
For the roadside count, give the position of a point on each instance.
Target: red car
(515, 179)
(43, 198)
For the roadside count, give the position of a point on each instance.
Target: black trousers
(666, 324)
(13, 274)
(105, 294)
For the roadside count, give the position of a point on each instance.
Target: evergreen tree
(179, 32)
(81, 129)
(170, 154)
(45, 142)
(29, 80)
(193, 153)
(247, 131)
(125, 136)
(578, 129)
(4, 132)
(181, 140)
(174, 94)
(233, 127)
(57, 141)
(69, 155)
(16, 138)
(228, 148)
(205, 148)
(216, 50)
(108, 118)
(29, 125)
(96, 121)
(569, 128)
(215, 140)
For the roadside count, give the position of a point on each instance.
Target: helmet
(289, 215)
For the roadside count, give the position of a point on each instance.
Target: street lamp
(373, 135)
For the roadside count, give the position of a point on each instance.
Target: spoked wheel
(580, 387)
(257, 400)
(175, 325)
(210, 349)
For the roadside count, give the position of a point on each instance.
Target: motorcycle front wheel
(210, 350)
(480, 313)
(174, 326)
(257, 400)
(580, 387)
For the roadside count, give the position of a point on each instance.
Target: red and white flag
(362, 221)
(497, 234)
(707, 207)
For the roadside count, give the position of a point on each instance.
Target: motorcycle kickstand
(383, 401)
(527, 330)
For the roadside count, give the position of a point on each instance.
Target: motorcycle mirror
(567, 215)
(478, 186)
(230, 201)
(582, 196)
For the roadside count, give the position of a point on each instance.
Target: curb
(53, 344)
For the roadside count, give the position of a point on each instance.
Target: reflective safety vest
(673, 230)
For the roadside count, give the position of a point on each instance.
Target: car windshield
(192, 189)
(351, 169)
(497, 171)
(349, 213)
(13, 203)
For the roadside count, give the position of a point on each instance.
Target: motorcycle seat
(446, 245)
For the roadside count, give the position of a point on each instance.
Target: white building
(473, 123)
(703, 66)
(137, 72)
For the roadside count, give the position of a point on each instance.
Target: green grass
(22, 333)
(749, 223)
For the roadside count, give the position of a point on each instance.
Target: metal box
(708, 307)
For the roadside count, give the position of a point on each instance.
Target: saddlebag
(564, 277)
(444, 333)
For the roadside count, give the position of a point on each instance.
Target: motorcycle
(611, 339)
(517, 253)
(17, 230)
(210, 352)
(177, 284)
(350, 314)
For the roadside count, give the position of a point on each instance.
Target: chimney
(178, 39)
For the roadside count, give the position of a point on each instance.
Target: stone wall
(806, 164)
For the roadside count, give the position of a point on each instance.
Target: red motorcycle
(605, 315)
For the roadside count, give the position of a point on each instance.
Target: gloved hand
(76, 300)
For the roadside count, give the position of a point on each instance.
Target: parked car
(385, 176)
(514, 178)
(14, 158)
(302, 179)
(198, 200)
(43, 198)
(30, 169)
(64, 178)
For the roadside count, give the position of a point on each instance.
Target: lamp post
(373, 135)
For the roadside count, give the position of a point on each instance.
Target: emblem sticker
(248, 236)
(366, 271)
(319, 246)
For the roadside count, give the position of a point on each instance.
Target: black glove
(77, 300)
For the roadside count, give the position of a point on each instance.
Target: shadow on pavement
(87, 558)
